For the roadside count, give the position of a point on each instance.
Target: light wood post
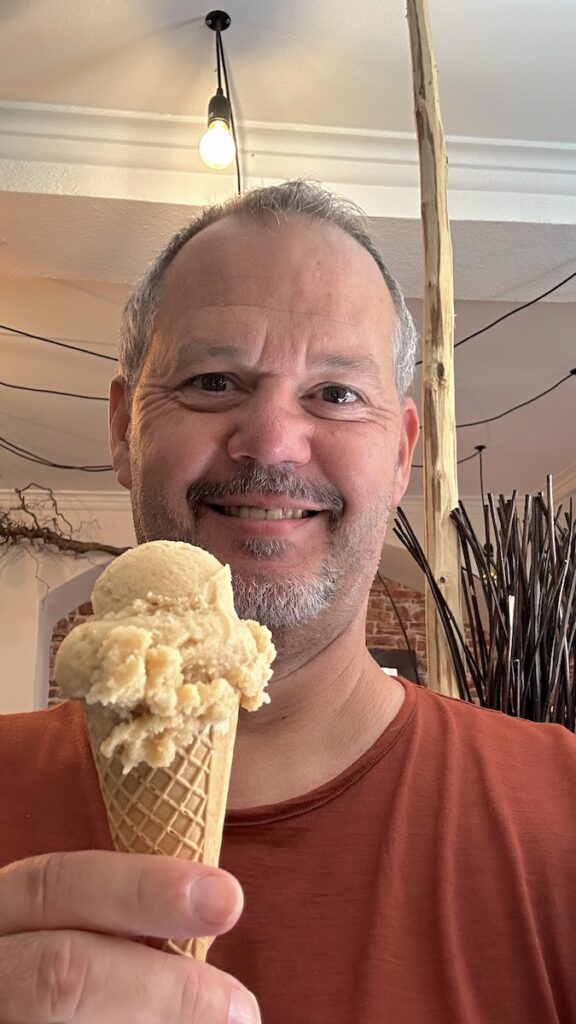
(438, 415)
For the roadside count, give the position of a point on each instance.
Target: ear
(410, 432)
(119, 431)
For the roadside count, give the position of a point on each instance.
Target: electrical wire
(499, 416)
(218, 71)
(220, 46)
(511, 312)
(60, 344)
(521, 405)
(32, 457)
(518, 309)
(481, 448)
(467, 458)
(24, 453)
(48, 391)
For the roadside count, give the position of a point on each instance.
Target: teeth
(250, 512)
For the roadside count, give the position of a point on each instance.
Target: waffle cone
(176, 811)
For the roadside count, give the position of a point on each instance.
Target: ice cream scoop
(165, 653)
(162, 669)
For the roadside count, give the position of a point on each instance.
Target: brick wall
(383, 631)
(61, 629)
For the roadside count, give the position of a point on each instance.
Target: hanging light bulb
(217, 147)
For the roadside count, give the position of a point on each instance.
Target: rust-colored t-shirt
(432, 882)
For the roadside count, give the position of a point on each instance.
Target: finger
(50, 977)
(127, 894)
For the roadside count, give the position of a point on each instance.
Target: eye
(338, 394)
(214, 382)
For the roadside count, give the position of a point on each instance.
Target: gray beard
(279, 603)
(282, 605)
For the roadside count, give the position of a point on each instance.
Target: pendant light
(217, 145)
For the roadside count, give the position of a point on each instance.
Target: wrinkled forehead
(238, 269)
(315, 264)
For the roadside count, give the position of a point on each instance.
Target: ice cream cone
(162, 668)
(176, 811)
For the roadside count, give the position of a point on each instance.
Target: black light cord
(100, 355)
(24, 453)
(511, 312)
(60, 344)
(220, 50)
(467, 458)
(521, 405)
(518, 309)
(499, 416)
(218, 72)
(480, 448)
(48, 391)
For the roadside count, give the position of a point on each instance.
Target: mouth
(255, 512)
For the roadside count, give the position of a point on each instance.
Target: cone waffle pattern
(176, 811)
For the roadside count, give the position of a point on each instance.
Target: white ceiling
(101, 109)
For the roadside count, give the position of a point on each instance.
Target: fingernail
(210, 901)
(243, 1008)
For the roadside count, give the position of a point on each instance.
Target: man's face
(266, 426)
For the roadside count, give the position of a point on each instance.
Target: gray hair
(291, 198)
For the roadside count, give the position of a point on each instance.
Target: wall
(383, 630)
(33, 598)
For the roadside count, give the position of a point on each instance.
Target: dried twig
(36, 521)
(519, 587)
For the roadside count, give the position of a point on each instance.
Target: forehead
(238, 273)
(241, 258)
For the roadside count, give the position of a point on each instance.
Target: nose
(271, 427)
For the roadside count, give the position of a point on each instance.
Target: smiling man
(403, 857)
(265, 423)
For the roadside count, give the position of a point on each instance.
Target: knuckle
(204, 992)
(59, 978)
(46, 875)
(190, 998)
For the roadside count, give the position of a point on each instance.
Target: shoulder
(493, 728)
(59, 731)
(490, 748)
(49, 794)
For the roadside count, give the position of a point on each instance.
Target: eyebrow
(365, 365)
(176, 358)
(203, 349)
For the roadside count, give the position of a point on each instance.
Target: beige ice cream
(165, 653)
(162, 669)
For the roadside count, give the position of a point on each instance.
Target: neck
(327, 708)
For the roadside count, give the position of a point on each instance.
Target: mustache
(268, 481)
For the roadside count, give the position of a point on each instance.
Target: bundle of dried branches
(36, 521)
(519, 587)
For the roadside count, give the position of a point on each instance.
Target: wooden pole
(438, 418)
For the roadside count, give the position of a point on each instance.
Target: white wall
(30, 603)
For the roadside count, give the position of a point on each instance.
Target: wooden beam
(438, 414)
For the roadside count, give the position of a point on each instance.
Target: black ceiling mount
(218, 20)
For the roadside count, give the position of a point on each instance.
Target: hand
(68, 955)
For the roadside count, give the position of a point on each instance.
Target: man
(403, 857)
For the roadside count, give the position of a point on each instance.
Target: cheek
(173, 449)
(362, 468)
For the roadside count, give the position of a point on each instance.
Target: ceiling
(101, 109)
